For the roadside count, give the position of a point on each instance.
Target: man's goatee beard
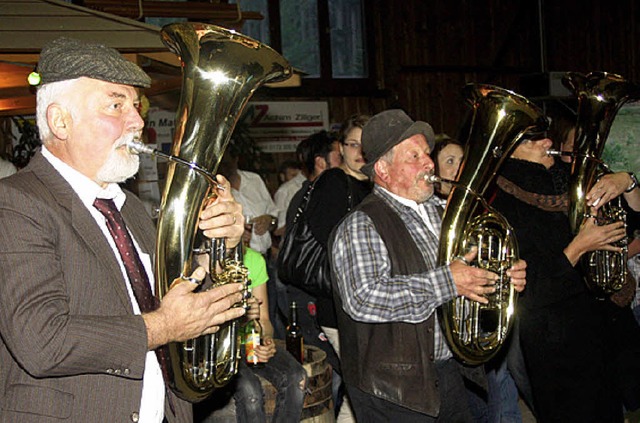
(119, 167)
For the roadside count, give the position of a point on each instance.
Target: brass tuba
(600, 96)
(498, 121)
(221, 71)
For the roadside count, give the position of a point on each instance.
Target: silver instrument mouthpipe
(136, 147)
(557, 153)
(434, 179)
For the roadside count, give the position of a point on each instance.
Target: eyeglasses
(354, 145)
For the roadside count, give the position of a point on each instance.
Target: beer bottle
(252, 338)
(295, 342)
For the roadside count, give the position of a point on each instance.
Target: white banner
(278, 127)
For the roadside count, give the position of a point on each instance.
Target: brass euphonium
(221, 71)
(600, 97)
(498, 121)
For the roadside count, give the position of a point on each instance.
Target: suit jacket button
(109, 371)
(135, 417)
(127, 372)
(117, 371)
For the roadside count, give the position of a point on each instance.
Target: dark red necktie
(132, 263)
(135, 271)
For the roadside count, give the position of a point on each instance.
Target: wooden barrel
(318, 400)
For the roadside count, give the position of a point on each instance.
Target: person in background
(317, 153)
(336, 191)
(447, 155)
(291, 183)
(573, 373)
(250, 190)
(289, 169)
(624, 346)
(276, 365)
(82, 332)
(6, 168)
(387, 285)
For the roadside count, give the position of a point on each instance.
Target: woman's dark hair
(353, 121)
(318, 144)
(563, 120)
(442, 140)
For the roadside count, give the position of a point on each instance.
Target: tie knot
(106, 206)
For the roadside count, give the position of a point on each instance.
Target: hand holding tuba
(499, 120)
(600, 97)
(221, 71)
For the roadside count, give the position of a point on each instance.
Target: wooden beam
(173, 9)
(18, 106)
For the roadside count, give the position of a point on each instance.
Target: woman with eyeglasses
(335, 192)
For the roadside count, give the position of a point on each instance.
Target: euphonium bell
(600, 97)
(498, 121)
(221, 71)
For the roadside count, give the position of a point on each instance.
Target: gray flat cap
(386, 130)
(68, 58)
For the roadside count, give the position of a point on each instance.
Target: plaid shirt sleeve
(363, 274)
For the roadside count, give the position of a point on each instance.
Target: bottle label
(252, 340)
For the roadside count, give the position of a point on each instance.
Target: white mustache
(124, 142)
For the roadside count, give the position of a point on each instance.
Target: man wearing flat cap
(81, 330)
(387, 284)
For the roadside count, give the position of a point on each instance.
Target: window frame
(326, 85)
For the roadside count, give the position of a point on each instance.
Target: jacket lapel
(83, 224)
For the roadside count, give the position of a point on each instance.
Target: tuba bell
(499, 118)
(600, 97)
(221, 71)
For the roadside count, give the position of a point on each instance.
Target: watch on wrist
(634, 182)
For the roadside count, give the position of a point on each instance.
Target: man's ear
(320, 164)
(381, 168)
(59, 121)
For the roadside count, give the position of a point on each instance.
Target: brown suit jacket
(72, 349)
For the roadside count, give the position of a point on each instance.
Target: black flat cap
(386, 130)
(68, 58)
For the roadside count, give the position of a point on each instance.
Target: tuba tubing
(221, 69)
(499, 119)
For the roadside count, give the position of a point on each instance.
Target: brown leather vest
(393, 361)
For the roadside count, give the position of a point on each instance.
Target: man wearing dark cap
(80, 327)
(387, 284)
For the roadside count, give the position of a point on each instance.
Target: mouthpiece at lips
(137, 147)
(432, 179)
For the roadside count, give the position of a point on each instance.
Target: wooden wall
(427, 50)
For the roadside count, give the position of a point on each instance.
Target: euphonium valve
(499, 120)
(221, 70)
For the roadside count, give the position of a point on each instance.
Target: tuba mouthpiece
(554, 153)
(432, 179)
(135, 146)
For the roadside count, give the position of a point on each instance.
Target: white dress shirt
(153, 388)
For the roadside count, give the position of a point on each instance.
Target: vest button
(431, 357)
(135, 417)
